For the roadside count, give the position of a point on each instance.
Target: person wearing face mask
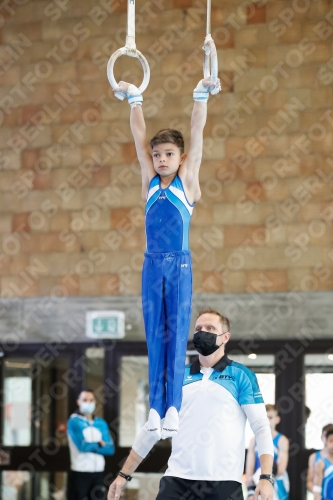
(208, 452)
(89, 440)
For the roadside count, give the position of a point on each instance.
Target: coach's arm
(144, 442)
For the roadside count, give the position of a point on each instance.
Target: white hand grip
(131, 52)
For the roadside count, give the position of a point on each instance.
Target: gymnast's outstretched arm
(189, 170)
(138, 128)
(318, 479)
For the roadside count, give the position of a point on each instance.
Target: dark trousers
(86, 486)
(175, 488)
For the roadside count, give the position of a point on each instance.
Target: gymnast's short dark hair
(270, 407)
(85, 389)
(168, 135)
(327, 427)
(329, 433)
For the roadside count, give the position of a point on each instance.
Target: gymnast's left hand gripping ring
(131, 52)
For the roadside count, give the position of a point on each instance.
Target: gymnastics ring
(210, 66)
(131, 52)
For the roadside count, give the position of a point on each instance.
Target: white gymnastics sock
(153, 424)
(171, 423)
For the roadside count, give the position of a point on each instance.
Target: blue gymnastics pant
(166, 305)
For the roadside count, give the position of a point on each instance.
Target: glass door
(17, 403)
(318, 397)
(35, 401)
(34, 413)
(40, 384)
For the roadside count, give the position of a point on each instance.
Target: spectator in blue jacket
(89, 440)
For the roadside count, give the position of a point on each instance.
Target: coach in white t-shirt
(207, 457)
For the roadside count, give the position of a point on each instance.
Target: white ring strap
(210, 65)
(129, 50)
(209, 9)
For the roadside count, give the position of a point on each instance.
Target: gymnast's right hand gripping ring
(131, 52)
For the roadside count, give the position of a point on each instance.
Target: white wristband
(134, 97)
(317, 489)
(201, 93)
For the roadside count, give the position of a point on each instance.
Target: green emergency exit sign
(105, 324)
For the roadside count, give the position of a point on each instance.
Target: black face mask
(205, 342)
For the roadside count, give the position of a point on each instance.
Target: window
(318, 396)
(134, 403)
(95, 375)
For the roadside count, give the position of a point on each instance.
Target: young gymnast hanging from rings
(170, 187)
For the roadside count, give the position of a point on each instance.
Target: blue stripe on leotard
(327, 492)
(281, 485)
(168, 216)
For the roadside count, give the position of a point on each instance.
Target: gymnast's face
(273, 418)
(329, 444)
(167, 159)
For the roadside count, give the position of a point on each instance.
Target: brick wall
(71, 219)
